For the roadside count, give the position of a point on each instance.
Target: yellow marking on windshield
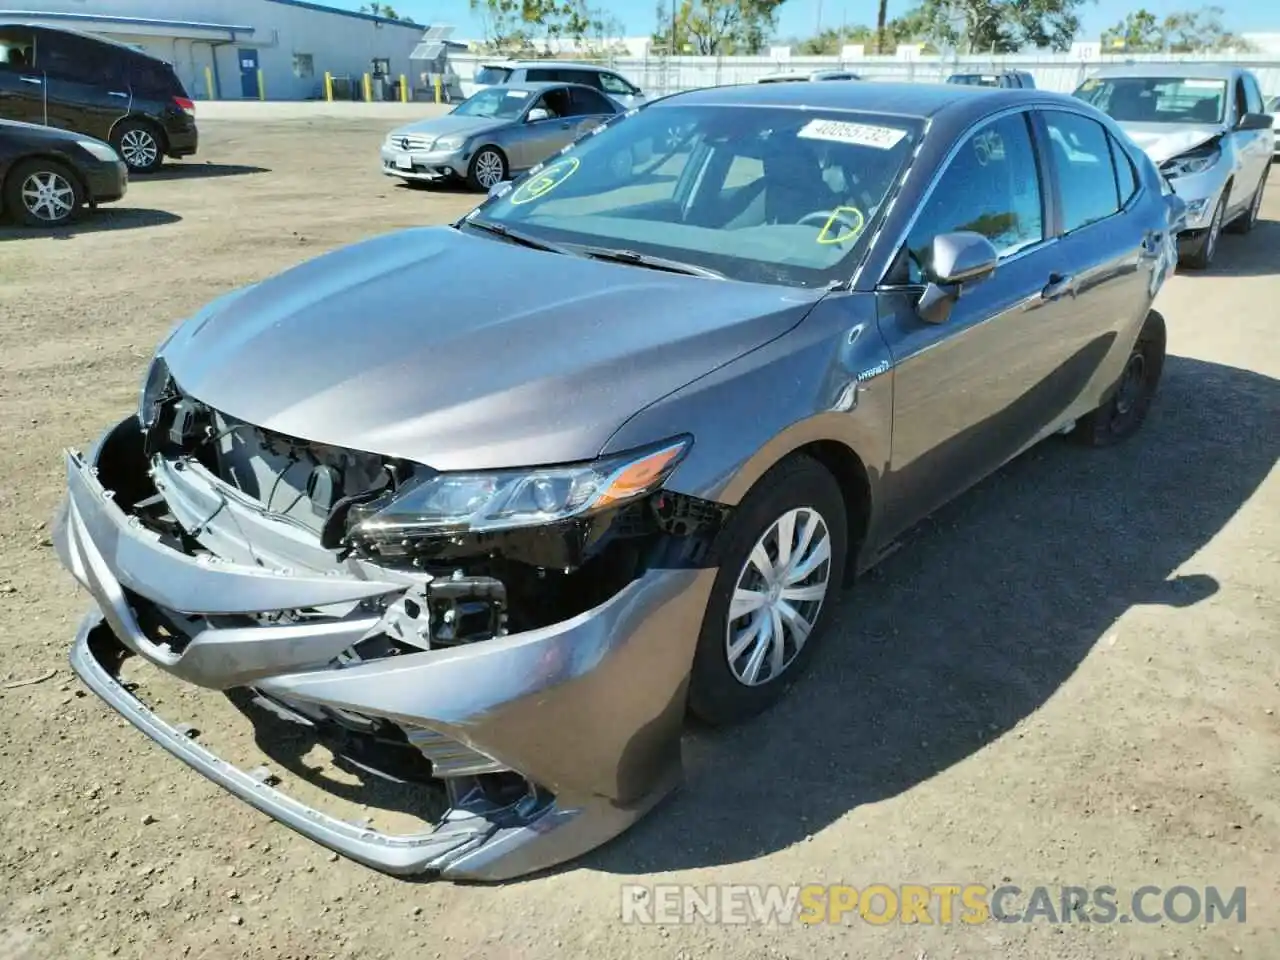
(845, 217)
(546, 180)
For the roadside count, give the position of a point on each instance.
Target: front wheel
(781, 561)
(42, 193)
(488, 168)
(1126, 409)
(1249, 219)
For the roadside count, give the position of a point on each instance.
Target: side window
(610, 83)
(991, 186)
(152, 80)
(1126, 176)
(1252, 95)
(557, 101)
(540, 76)
(588, 78)
(1086, 173)
(76, 59)
(590, 103)
(17, 48)
(1242, 102)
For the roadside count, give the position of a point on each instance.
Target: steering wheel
(825, 218)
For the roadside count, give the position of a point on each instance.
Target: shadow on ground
(974, 624)
(194, 170)
(1255, 254)
(95, 221)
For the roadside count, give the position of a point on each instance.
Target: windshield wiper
(523, 239)
(653, 263)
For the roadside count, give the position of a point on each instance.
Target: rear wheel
(43, 193)
(781, 561)
(1126, 409)
(139, 146)
(488, 168)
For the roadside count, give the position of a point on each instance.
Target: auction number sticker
(545, 180)
(858, 134)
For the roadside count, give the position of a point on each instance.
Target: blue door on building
(249, 74)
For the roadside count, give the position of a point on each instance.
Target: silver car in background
(497, 133)
(609, 82)
(1206, 128)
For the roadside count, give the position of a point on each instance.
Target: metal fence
(657, 75)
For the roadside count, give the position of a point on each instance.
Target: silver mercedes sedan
(499, 132)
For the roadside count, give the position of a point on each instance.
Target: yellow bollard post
(368, 90)
(262, 86)
(436, 81)
(404, 89)
(208, 81)
(328, 86)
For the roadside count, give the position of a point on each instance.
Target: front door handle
(36, 80)
(118, 93)
(1059, 285)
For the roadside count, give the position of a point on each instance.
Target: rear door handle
(36, 80)
(1058, 286)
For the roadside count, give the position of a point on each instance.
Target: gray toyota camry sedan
(490, 508)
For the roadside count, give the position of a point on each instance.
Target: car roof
(526, 64)
(540, 86)
(82, 35)
(1198, 71)
(901, 99)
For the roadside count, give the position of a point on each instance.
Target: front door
(538, 139)
(21, 81)
(249, 73)
(87, 89)
(974, 390)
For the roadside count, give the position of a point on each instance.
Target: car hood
(1163, 141)
(450, 123)
(462, 352)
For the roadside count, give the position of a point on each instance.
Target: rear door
(88, 90)
(22, 88)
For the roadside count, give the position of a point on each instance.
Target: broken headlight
(154, 390)
(1192, 162)
(503, 499)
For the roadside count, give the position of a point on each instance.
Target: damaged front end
(518, 640)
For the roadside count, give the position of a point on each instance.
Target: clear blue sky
(800, 17)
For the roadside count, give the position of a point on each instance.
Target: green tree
(384, 10)
(904, 29)
(1000, 26)
(516, 24)
(711, 27)
(1191, 31)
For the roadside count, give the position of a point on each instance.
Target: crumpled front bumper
(590, 709)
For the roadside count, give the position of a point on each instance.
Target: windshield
(770, 195)
(503, 102)
(493, 75)
(1157, 99)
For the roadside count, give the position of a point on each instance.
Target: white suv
(611, 83)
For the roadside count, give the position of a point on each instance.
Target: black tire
(53, 179)
(477, 172)
(140, 145)
(1207, 249)
(1249, 219)
(1126, 406)
(716, 695)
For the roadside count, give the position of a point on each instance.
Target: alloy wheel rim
(138, 148)
(778, 596)
(489, 168)
(1130, 390)
(48, 196)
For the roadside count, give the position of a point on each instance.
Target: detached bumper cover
(589, 709)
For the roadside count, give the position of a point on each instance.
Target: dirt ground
(1071, 676)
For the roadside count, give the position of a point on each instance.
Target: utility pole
(817, 27)
(673, 28)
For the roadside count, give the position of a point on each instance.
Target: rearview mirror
(536, 114)
(1255, 121)
(955, 259)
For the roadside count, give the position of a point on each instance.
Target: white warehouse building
(218, 47)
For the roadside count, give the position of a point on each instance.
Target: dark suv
(61, 78)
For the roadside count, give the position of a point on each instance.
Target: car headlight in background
(504, 499)
(1197, 161)
(98, 149)
(448, 143)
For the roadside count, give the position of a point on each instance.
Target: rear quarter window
(153, 80)
(493, 75)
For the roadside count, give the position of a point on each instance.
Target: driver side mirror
(1255, 121)
(537, 114)
(955, 259)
